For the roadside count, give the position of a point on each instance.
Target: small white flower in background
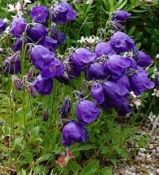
(157, 56)
(152, 117)
(6, 20)
(7, 30)
(27, 1)
(89, 40)
(155, 92)
(89, 2)
(135, 101)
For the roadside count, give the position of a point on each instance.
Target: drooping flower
(41, 56)
(144, 60)
(2, 25)
(60, 37)
(50, 43)
(114, 91)
(18, 44)
(96, 71)
(82, 57)
(18, 26)
(39, 14)
(87, 111)
(36, 32)
(71, 69)
(43, 86)
(73, 132)
(63, 13)
(120, 15)
(104, 48)
(54, 69)
(116, 65)
(12, 64)
(140, 82)
(97, 93)
(121, 42)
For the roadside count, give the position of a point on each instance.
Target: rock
(151, 146)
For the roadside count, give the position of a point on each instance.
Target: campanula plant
(109, 72)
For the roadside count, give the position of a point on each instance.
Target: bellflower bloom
(140, 82)
(18, 26)
(50, 43)
(82, 57)
(114, 91)
(97, 93)
(73, 132)
(104, 48)
(121, 42)
(41, 56)
(59, 36)
(63, 13)
(39, 14)
(2, 25)
(116, 65)
(144, 60)
(96, 71)
(87, 111)
(37, 32)
(43, 86)
(72, 70)
(120, 15)
(12, 65)
(55, 69)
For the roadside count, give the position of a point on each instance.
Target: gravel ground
(146, 160)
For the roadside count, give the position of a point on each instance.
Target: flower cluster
(116, 72)
(41, 39)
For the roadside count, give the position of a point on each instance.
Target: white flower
(155, 92)
(89, 40)
(135, 101)
(89, 2)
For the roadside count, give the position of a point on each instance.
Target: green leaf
(106, 171)
(90, 168)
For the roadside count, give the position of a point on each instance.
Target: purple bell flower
(39, 14)
(120, 15)
(96, 71)
(50, 43)
(55, 69)
(59, 36)
(73, 132)
(97, 93)
(144, 60)
(18, 26)
(124, 82)
(121, 42)
(37, 32)
(41, 56)
(71, 69)
(17, 45)
(12, 65)
(63, 13)
(116, 65)
(82, 57)
(140, 82)
(87, 111)
(114, 91)
(43, 86)
(2, 25)
(104, 48)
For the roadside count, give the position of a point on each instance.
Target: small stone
(151, 146)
